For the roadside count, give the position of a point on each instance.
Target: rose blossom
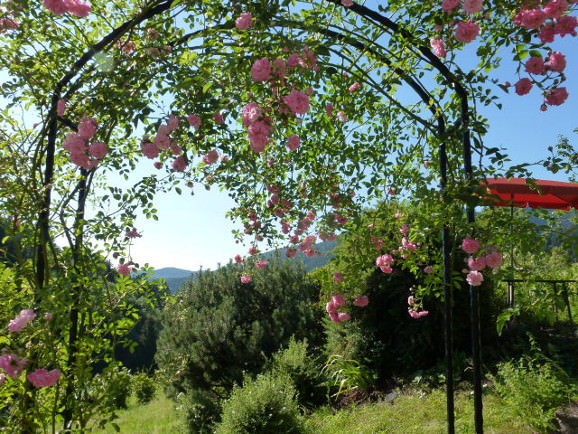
(470, 245)
(475, 278)
(523, 86)
(293, 142)
(535, 65)
(556, 96)
(246, 278)
(467, 31)
(473, 6)
(244, 21)
(44, 378)
(297, 101)
(439, 46)
(361, 301)
(21, 320)
(450, 5)
(556, 62)
(261, 70)
(338, 300)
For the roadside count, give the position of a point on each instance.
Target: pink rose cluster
(246, 278)
(415, 309)
(6, 21)
(43, 378)
(21, 320)
(470, 6)
(162, 141)
(82, 153)
(258, 125)
(550, 20)
(12, 364)
(244, 21)
(337, 301)
(77, 8)
(124, 269)
(476, 264)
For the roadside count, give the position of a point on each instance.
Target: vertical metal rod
(474, 301)
(448, 300)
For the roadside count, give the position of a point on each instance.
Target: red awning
(548, 194)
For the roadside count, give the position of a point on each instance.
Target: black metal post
(448, 301)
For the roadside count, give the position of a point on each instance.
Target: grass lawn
(407, 414)
(157, 417)
(419, 414)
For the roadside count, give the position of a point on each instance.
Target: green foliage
(266, 405)
(200, 410)
(217, 328)
(382, 335)
(535, 386)
(349, 376)
(143, 387)
(301, 365)
(118, 386)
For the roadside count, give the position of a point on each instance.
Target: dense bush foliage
(267, 405)
(143, 387)
(302, 366)
(217, 328)
(535, 387)
(382, 335)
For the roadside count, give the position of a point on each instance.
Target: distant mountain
(175, 277)
(309, 263)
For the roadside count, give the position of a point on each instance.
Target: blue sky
(193, 232)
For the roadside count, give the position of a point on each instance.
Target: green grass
(157, 417)
(415, 413)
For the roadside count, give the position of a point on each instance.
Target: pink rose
(386, 269)
(354, 87)
(12, 365)
(556, 8)
(98, 150)
(467, 31)
(78, 8)
(475, 278)
(556, 62)
(219, 119)
(124, 269)
(61, 107)
(338, 300)
(566, 25)
(523, 86)
(439, 46)
(246, 278)
(342, 116)
(361, 301)
(294, 142)
(261, 70)
(179, 164)
(428, 270)
(494, 260)
(44, 378)
(21, 320)
(470, 245)
(57, 7)
(530, 18)
(87, 128)
(244, 21)
(535, 65)
(150, 150)
(251, 113)
(547, 32)
(556, 96)
(293, 60)
(330, 307)
(347, 3)
(386, 259)
(297, 101)
(239, 259)
(473, 6)
(338, 277)
(449, 5)
(477, 264)
(194, 121)
(291, 252)
(212, 157)
(343, 316)
(262, 264)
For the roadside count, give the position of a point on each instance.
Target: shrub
(117, 382)
(266, 405)
(303, 368)
(217, 328)
(201, 410)
(143, 387)
(534, 387)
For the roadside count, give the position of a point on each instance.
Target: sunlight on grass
(407, 414)
(157, 417)
(413, 414)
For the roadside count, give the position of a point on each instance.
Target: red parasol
(547, 194)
